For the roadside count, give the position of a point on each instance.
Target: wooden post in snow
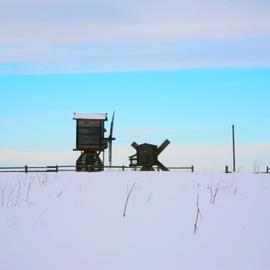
(233, 142)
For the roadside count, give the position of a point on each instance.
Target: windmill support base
(147, 168)
(89, 162)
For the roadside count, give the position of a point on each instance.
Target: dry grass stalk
(127, 199)
(198, 215)
(213, 193)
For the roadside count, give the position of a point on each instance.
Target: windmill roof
(143, 144)
(90, 116)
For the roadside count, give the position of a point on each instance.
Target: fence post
(123, 168)
(56, 168)
(192, 168)
(267, 169)
(226, 169)
(26, 169)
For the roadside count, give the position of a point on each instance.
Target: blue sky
(173, 69)
(187, 106)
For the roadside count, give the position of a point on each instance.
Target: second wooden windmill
(91, 141)
(147, 156)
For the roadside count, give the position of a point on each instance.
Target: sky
(78, 36)
(180, 70)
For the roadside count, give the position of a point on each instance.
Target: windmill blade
(163, 146)
(110, 139)
(161, 166)
(111, 128)
(134, 145)
(110, 153)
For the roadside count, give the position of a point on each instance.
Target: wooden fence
(266, 171)
(71, 168)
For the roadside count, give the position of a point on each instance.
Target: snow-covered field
(69, 221)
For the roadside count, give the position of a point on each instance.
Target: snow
(88, 116)
(75, 221)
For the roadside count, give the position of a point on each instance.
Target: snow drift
(173, 220)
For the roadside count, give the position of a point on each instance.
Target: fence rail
(267, 170)
(257, 172)
(72, 168)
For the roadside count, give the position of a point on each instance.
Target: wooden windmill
(147, 156)
(91, 141)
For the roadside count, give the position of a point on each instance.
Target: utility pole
(233, 142)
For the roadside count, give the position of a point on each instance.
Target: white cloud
(60, 36)
(127, 57)
(87, 22)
